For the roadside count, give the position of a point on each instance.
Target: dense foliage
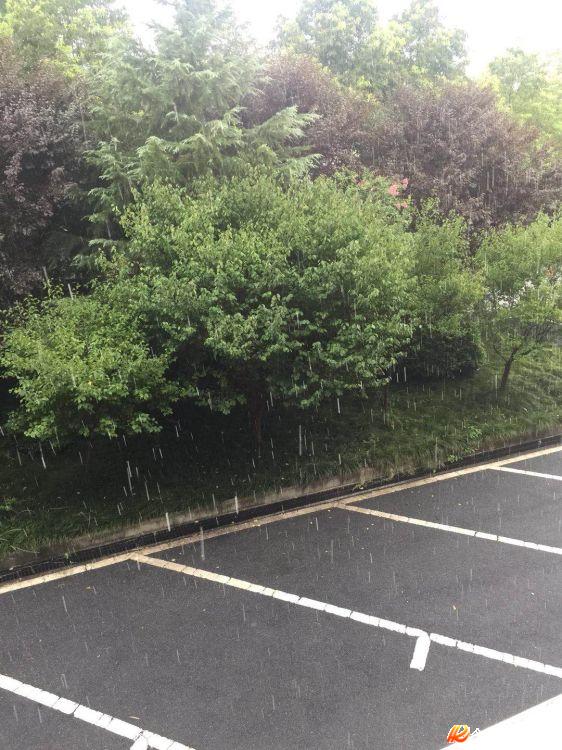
(250, 292)
(346, 37)
(454, 144)
(222, 226)
(343, 117)
(83, 368)
(177, 116)
(531, 89)
(446, 341)
(69, 34)
(523, 271)
(40, 144)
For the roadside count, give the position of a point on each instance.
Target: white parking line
(56, 575)
(420, 652)
(141, 738)
(524, 471)
(424, 639)
(453, 529)
(525, 456)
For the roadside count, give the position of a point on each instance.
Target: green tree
(522, 268)
(175, 114)
(449, 292)
(532, 89)
(68, 33)
(261, 293)
(428, 50)
(345, 36)
(82, 368)
(343, 114)
(242, 293)
(336, 32)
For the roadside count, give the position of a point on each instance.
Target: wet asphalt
(220, 668)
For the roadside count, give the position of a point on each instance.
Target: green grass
(203, 456)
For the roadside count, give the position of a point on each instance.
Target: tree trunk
(385, 398)
(256, 406)
(506, 371)
(89, 449)
(385, 401)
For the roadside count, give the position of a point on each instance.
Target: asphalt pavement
(369, 623)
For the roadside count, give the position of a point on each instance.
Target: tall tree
(454, 143)
(68, 33)
(344, 115)
(522, 268)
(429, 50)
(345, 36)
(40, 143)
(532, 89)
(175, 113)
(336, 32)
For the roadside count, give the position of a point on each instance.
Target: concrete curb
(87, 548)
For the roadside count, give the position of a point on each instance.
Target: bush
(241, 293)
(264, 293)
(522, 268)
(446, 341)
(439, 356)
(82, 368)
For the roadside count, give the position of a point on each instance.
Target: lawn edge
(86, 548)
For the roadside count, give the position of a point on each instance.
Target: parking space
(25, 725)
(527, 508)
(550, 463)
(451, 584)
(327, 628)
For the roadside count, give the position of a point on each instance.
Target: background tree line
(194, 219)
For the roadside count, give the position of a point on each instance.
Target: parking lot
(376, 621)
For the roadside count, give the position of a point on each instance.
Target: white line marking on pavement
(524, 471)
(534, 727)
(420, 652)
(422, 645)
(56, 575)
(275, 517)
(454, 529)
(84, 713)
(525, 456)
